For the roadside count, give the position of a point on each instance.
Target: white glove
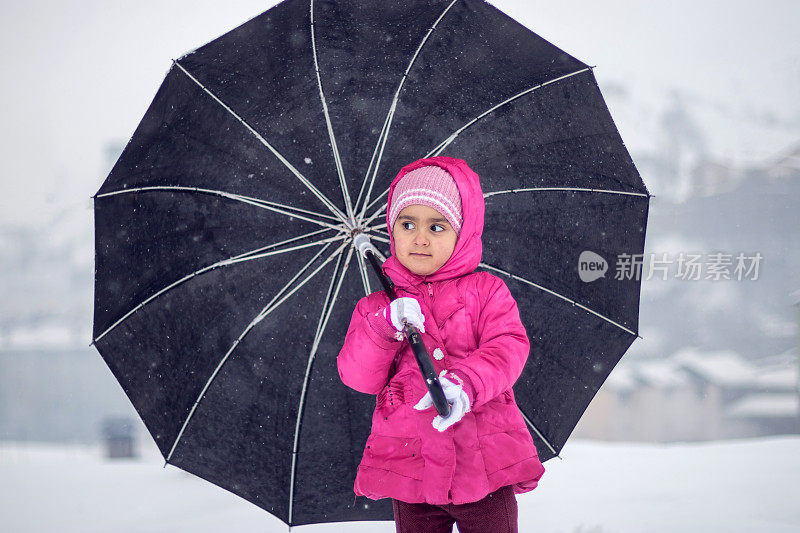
(456, 397)
(407, 308)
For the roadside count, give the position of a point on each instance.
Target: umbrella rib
(378, 229)
(292, 249)
(336, 158)
(387, 124)
(573, 302)
(246, 256)
(324, 199)
(265, 204)
(380, 255)
(374, 215)
(581, 189)
(284, 206)
(444, 144)
(327, 308)
(271, 306)
(380, 209)
(539, 433)
(380, 239)
(493, 193)
(283, 299)
(379, 232)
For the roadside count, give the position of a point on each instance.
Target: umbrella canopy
(225, 269)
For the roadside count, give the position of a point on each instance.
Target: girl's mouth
(419, 254)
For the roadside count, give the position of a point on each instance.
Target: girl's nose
(420, 239)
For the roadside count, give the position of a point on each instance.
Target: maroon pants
(496, 513)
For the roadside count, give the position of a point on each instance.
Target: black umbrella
(225, 267)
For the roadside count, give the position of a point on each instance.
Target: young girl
(465, 468)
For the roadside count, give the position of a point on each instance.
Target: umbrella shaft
(388, 286)
(418, 347)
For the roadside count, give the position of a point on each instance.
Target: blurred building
(693, 396)
(119, 435)
(54, 387)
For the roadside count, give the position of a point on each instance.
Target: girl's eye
(435, 226)
(408, 225)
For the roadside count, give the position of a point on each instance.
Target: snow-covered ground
(599, 487)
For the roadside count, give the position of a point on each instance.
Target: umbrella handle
(411, 333)
(428, 372)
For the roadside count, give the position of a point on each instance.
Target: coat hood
(469, 246)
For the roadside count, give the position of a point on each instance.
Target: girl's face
(423, 239)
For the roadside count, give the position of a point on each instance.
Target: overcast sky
(79, 74)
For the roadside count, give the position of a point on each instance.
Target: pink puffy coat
(472, 330)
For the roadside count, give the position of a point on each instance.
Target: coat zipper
(430, 289)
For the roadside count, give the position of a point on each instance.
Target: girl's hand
(405, 308)
(456, 397)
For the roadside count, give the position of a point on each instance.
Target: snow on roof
(663, 374)
(778, 372)
(795, 296)
(620, 379)
(45, 335)
(778, 378)
(764, 405)
(774, 324)
(789, 357)
(723, 367)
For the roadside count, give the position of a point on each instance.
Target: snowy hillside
(745, 485)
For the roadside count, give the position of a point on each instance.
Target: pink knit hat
(432, 186)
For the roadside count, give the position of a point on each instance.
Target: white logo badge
(591, 266)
